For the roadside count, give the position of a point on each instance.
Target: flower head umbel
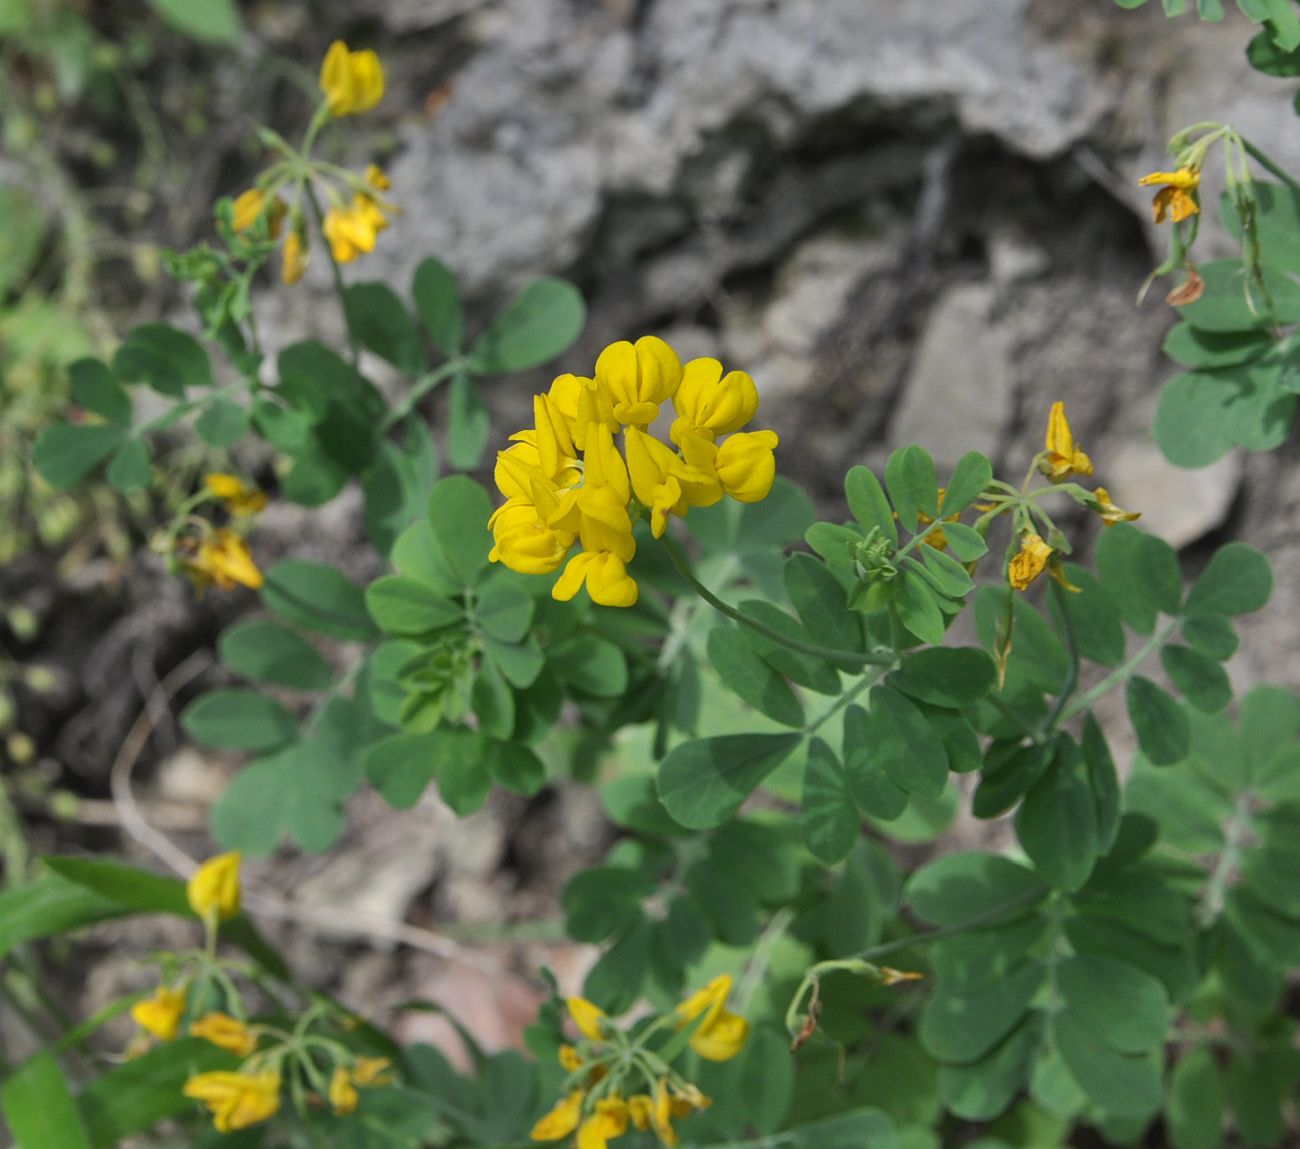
(1176, 198)
(236, 1100)
(565, 479)
(1062, 457)
(160, 1015)
(213, 892)
(352, 82)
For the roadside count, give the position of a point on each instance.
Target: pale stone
(1177, 505)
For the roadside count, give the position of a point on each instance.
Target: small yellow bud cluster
(565, 480)
(599, 1104)
(219, 555)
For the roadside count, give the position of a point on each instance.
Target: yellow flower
(225, 1032)
(222, 558)
(570, 1058)
(343, 1094)
(1030, 562)
(1174, 200)
(368, 1071)
(638, 377)
(561, 1120)
(1102, 503)
(586, 1016)
(1062, 457)
(607, 1121)
(352, 230)
(664, 482)
(746, 466)
(352, 81)
(293, 258)
(721, 1034)
(238, 498)
(249, 207)
(710, 403)
(213, 891)
(236, 1100)
(160, 1015)
(377, 178)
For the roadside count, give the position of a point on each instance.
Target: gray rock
(1179, 506)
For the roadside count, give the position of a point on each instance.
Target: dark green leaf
(868, 503)
(946, 676)
(319, 597)
(1103, 781)
(66, 453)
(458, 513)
(544, 319)
(222, 423)
(383, 325)
(1010, 770)
(918, 608)
(213, 21)
(1201, 416)
(405, 607)
(1126, 1007)
(963, 1027)
(39, 1108)
(903, 743)
(819, 599)
(874, 791)
(437, 298)
(590, 664)
(469, 423)
(1194, 1108)
(970, 477)
(1201, 680)
(168, 359)
(1117, 1084)
(1237, 580)
(1232, 301)
(982, 1090)
(95, 389)
(130, 469)
(1057, 823)
(1207, 350)
(1141, 573)
(238, 720)
(265, 652)
(913, 488)
(751, 679)
(1158, 721)
(703, 783)
(827, 814)
(1211, 634)
(1094, 616)
(958, 888)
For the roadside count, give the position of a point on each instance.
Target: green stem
(1122, 674)
(353, 345)
(1235, 833)
(854, 657)
(1266, 162)
(987, 917)
(1072, 670)
(418, 391)
(840, 703)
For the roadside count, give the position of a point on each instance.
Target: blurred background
(911, 222)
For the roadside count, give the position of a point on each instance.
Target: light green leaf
(1194, 1107)
(543, 320)
(66, 453)
(1237, 580)
(222, 423)
(407, 608)
(970, 477)
(265, 652)
(1126, 1007)
(437, 298)
(95, 389)
(868, 503)
(39, 1107)
(319, 597)
(238, 720)
(212, 21)
(130, 469)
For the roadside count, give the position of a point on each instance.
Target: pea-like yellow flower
(1062, 457)
(1030, 562)
(665, 482)
(562, 1119)
(371, 1071)
(160, 1015)
(746, 466)
(710, 403)
(608, 1120)
(236, 1100)
(587, 1017)
(638, 377)
(658, 1112)
(238, 497)
(223, 559)
(570, 1058)
(352, 82)
(343, 1093)
(293, 258)
(721, 1034)
(225, 1032)
(1111, 514)
(249, 206)
(352, 230)
(213, 891)
(1174, 200)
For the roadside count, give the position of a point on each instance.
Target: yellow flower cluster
(352, 228)
(565, 480)
(598, 1109)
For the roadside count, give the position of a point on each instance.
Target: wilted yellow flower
(293, 258)
(222, 558)
(1110, 513)
(722, 1034)
(890, 976)
(352, 82)
(1030, 562)
(213, 891)
(586, 1016)
(160, 1015)
(1174, 200)
(225, 1032)
(561, 1120)
(608, 1120)
(239, 498)
(236, 1100)
(1062, 457)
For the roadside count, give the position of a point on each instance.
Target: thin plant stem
(354, 346)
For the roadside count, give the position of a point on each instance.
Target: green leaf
(437, 298)
(319, 597)
(1095, 618)
(464, 780)
(469, 422)
(407, 608)
(857, 1129)
(1265, 56)
(805, 670)
(66, 453)
(95, 389)
(1057, 822)
(963, 1027)
(39, 1108)
(918, 609)
(591, 665)
(1194, 1107)
(543, 320)
(1158, 721)
(904, 744)
(828, 817)
(504, 612)
(23, 225)
(402, 766)
(752, 680)
(614, 982)
(1237, 580)
(1103, 781)
(49, 906)
(1211, 634)
(222, 423)
(603, 901)
(1010, 769)
(397, 485)
(874, 791)
(1126, 1007)
(970, 477)
(982, 1090)
(213, 21)
(819, 600)
(868, 503)
(1227, 306)
(1141, 573)
(458, 513)
(961, 887)
(167, 359)
(492, 701)
(966, 543)
(1202, 416)
(238, 720)
(130, 469)
(702, 783)
(518, 768)
(1200, 679)
(946, 676)
(1118, 1084)
(1207, 350)
(265, 652)
(382, 324)
(767, 1080)
(944, 572)
(913, 487)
